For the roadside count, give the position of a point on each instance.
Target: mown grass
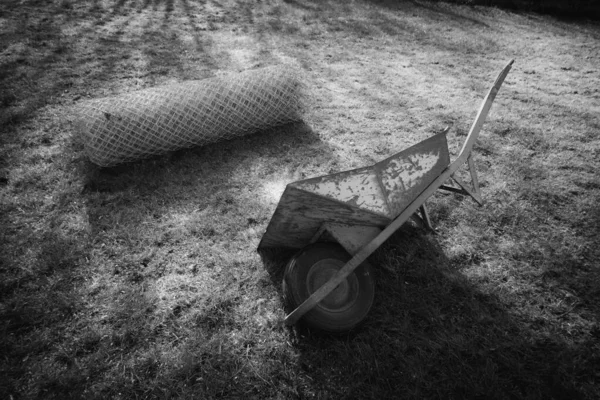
(142, 281)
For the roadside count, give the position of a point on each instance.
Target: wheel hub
(343, 296)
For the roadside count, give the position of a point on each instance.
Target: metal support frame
(472, 190)
(422, 218)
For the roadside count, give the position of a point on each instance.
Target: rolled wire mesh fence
(154, 121)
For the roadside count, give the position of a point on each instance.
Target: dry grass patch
(142, 280)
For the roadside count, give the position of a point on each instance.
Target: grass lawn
(143, 280)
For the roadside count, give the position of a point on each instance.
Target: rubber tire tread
(296, 290)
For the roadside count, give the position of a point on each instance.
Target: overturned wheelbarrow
(339, 220)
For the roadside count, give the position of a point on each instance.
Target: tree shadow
(432, 334)
(38, 291)
(405, 344)
(396, 19)
(64, 51)
(563, 252)
(567, 263)
(435, 11)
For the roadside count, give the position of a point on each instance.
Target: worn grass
(142, 281)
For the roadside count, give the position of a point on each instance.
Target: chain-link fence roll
(154, 121)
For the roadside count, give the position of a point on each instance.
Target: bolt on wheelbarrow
(339, 220)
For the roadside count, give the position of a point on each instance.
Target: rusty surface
(406, 174)
(358, 188)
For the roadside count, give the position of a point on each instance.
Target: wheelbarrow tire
(344, 308)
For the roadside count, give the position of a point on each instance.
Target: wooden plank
(352, 238)
(482, 115)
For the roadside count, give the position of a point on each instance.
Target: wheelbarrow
(337, 221)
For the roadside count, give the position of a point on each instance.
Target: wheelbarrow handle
(374, 244)
(482, 115)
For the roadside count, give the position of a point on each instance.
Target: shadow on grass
(394, 19)
(566, 254)
(49, 324)
(60, 52)
(38, 299)
(431, 334)
(435, 11)
(554, 225)
(564, 9)
(198, 200)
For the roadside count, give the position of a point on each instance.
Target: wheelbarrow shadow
(430, 334)
(395, 262)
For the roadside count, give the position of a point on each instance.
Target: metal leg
(425, 217)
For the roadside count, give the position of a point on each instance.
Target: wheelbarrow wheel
(347, 305)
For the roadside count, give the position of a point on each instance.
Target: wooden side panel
(357, 188)
(405, 175)
(352, 238)
(300, 214)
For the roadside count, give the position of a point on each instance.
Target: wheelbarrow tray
(368, 196)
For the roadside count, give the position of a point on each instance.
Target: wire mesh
(154, 121)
